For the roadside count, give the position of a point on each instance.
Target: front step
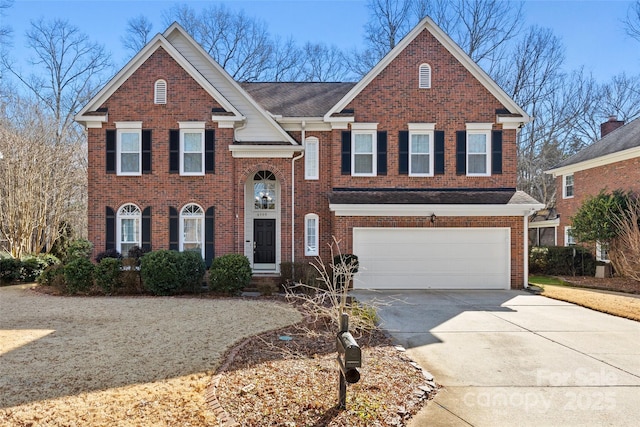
(261, 281)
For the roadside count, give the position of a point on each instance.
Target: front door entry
(264, 243)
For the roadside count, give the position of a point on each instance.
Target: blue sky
(591, 31)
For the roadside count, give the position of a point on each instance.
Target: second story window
(129, 148)
(421, 149)
(567, 186)
(311, 158)
(191, 148)
(478, 149)
(364, 149)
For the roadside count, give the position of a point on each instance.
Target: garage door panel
(442, 258)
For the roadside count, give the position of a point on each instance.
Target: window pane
(264, 195)
(129, 230)
(419, 163)
(363, 163)
(192, 230)
(193, 142)
(363, 143)
(129, 162)
(420, 144)
(311, 235)
(193, 162)
(477, 163)
(477, 143)
(129, 142)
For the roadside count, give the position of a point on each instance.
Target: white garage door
(432, 258)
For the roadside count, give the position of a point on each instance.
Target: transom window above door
(264, 190)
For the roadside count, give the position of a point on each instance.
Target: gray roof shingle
(430, 197)
(623, 138)
(297, 99)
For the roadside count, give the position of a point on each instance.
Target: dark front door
(264, 241)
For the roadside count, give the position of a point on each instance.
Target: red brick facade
(392, 100)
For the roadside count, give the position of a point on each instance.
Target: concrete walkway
(509, 358)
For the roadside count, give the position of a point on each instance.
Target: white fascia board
(92, 121)
(438, 210)
(545, 224)
(293, 124)
(429, 25)
(339, 122)
(264, 151)
(176, 27)
(608, 159)
(512, 122)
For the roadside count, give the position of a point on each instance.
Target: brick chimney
(610, 125)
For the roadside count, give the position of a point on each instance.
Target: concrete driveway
(509, 358)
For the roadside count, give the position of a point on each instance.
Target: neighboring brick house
(413, 168)
(611, 163)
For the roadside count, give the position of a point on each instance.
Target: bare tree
(43, 183)
(323, 63)
(137, 33)
(621, 97)
(632, 21)
(240, 44)
(71, 70)
(286, 61)
(5, 30)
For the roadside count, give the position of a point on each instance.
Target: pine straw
(272, 382)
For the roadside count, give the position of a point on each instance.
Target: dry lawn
(122, 361)
(608, 302)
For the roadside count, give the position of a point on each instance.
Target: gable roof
(429, 25)
(620, 144)
(297, 99)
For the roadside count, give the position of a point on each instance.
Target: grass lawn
(608, 302)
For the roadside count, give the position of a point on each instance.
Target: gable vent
(160, 92)
(425, 76)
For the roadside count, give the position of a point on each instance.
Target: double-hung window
(129, 148)
(478, 149)
(192, 229)
(311, 158)
(191, 148)
(421, 149)
(364, 149)
(311, 234)
(567, 186)
(602, 252)
(569, 240)
(128, 228)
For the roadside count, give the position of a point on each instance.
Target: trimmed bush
(80, 248)
(192, 269)
(136, 252)
(34, 265)
(53, 276)
(229, 274)
(107, 275)
(160, 272)
(109, 253)
(10, 270)
(562, 261)
(78, 275)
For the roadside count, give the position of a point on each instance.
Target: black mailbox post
(349, 360)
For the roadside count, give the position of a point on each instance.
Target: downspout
(293, 193)
(525, 237)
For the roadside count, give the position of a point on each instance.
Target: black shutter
(209, 151)
(174, 151)
(403, 152)
(110, 241)
(146, 229)
(382, 153)
(146, 151)
(346, 152)
(209, 221)
(496, 152)
(461, 152)
(438, 152)
(111, 150)
(174, 228)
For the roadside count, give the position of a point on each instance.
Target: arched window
(311, 158)
(425, 76)
(311, 234)
(160, 92)
(264, 190)
(128, 228)
(192, 229)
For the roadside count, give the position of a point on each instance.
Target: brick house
(611, 163)
(413, 168)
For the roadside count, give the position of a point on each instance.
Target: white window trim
(422, 129)
(480, 129)
(128, 127)
(599, 256)
(160, 92)
(202, 227)
(424, 78)
(191, 127)
(568, 239)
(564, 186)
(365, 129)
(119, 218)
(307, 250)
(312, 164)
